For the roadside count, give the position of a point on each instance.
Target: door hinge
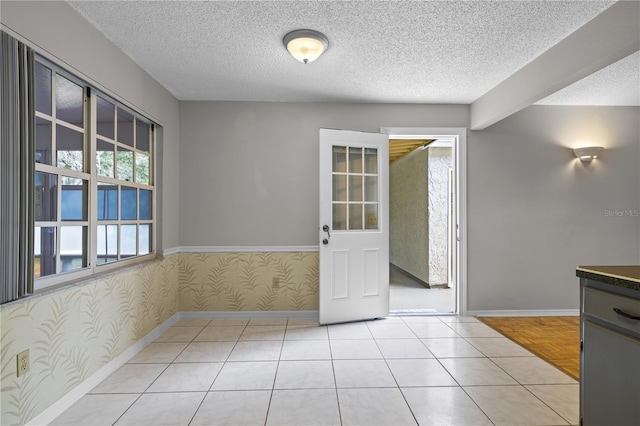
(581, 346)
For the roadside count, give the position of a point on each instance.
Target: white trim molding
(250, 315)
(527, 313)
(239, 249)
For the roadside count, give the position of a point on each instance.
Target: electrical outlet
(23, 362)
(276, 283)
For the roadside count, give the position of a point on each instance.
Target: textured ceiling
(380, 51)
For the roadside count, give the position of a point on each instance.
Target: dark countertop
(627, 276)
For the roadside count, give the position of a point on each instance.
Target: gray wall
(58, 31)
(535, 212)
(409, 215)
(249, 170)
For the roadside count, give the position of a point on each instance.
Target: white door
(354, 226)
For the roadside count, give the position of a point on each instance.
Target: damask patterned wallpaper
(74, 332)
(244, 281)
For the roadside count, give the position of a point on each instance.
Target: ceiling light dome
(306, 45)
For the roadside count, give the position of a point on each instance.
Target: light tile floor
(398, 371)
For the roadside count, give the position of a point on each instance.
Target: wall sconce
(588, 153)
(306, 45)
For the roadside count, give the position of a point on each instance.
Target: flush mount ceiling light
(306, 45)
(588, 153)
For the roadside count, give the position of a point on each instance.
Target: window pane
(72, 247)
(44, 251)
(371, 216)
(339, 217)
(42, 95)
(339, 159)
(371, 188)
(125, 127)
(128, 203)
(74, 199)
(355, 188)
(106, 116)
(127, 241)
(142, 136)
(69, 101)
(69, 149)
(142, 168)
(355, 160)
(355, 216)
(107, 201)
(43, 141)
(125, 165)
(104, 158)
(370, 160)
(145, 204)
(107, 243)
(145, 239)
(339, 188)
(46, 197)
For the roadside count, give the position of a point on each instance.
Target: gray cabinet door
(610, 377)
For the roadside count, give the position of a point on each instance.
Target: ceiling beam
(609, 37)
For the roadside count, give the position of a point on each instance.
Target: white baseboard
(250, 315)
(527, 313)
(61, 405)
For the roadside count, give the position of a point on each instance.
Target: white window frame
(90, 174)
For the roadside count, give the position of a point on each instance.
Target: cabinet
(610, 357)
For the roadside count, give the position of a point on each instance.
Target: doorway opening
(427, 261)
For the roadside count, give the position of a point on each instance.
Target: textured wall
(408, 214)
(74, 332)
(244, 281)
(439, 163)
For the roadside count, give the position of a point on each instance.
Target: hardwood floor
(554, 339)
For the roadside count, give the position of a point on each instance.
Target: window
(93, 184)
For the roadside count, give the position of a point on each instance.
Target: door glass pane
(127, 241)
(355, 160)
(72, 247)
(145, 204)
(107, 201)
(355, 188)
(339, 188)
(43, 141)
(125, 164)
(46, 197)
(69, 101)
(128, 203)
(142, 136)
(107, 243)
(371, 216)
(104, 158)
(125, 127)
(370, 160)
(44, 251)
(339, 159)
(142, 168)
(106, 116)
(339, 217)
(69, 149)
(74, 199)
(355, 216)
(371, 188)
(43, 88)
(145, 239)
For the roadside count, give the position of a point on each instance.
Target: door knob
(325, 241)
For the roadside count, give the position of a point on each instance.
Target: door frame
(460, 136)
